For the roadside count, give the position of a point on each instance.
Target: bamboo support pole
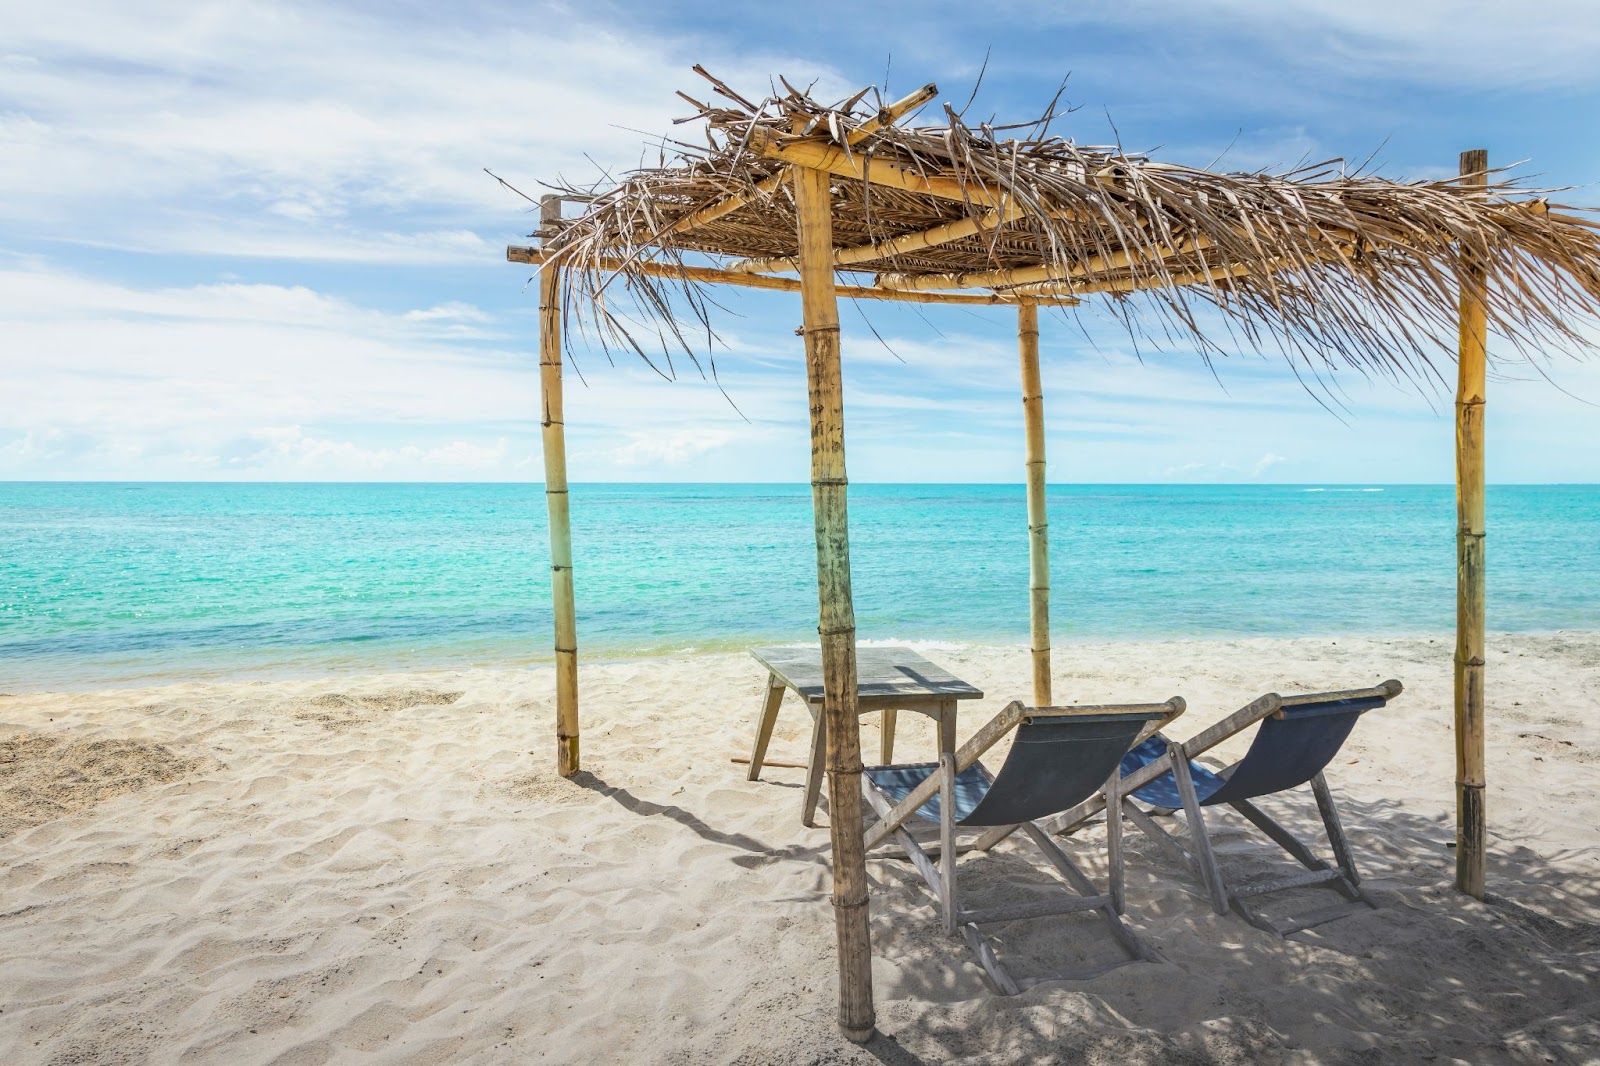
(712, 275)
(837, 625)
(1469, 657)
(1038, 522)
(556, 502)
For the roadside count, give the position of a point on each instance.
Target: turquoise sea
(117, 583)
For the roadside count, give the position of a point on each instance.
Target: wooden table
(887, 679)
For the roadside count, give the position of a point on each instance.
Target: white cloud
(307, 130)
(1463, 43)
(1265, 463)
(287, 448)
(675, 447)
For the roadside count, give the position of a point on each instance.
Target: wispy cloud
(289, 130)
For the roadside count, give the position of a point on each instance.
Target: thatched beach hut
(1327, 267)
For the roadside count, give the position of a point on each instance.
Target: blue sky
(255, 241)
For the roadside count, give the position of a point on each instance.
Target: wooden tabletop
(881, 673)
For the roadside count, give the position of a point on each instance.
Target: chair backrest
(1055, 763)
(1290, 750)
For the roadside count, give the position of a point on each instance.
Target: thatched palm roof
(1331, 266)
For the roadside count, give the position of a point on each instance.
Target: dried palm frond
(1332, 267)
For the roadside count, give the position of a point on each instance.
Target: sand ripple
(387, 870)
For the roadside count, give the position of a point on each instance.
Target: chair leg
(1340, 879)
(1119, 901)
(1154, 831)
(1281, 836)
(1003, 982)
(1335, 829)
(1137, 950)
(819, 756)
(1199, 840)
(768, 719)
(947, 726)
(947, 841)
(886, 724)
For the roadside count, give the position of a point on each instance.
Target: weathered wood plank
(881, 673)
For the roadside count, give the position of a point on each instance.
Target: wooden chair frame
(1081, 894)
(1342, 877)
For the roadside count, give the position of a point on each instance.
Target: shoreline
(289, 672)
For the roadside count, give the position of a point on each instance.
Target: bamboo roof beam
(1157, 281)
(893, 113)
(711, 275)
(888, 116)
(1013, 276)
(711, 212)
(819, 155)
(886, 249)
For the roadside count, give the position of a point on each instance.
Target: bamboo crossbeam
(1173, 281)
(1470, 593)
(712, 275)
(836, 612)
(769, 185)
(556, 503)
(1038, 523)
(819, 155)
(711, 212)
(893, 113)
(1044, 273)
(893, 246)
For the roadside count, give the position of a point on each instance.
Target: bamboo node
(566, 651)
(836, 632)
(803, 330)
(844, 904)
(829, 481)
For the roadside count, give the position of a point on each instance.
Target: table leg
(886, 738)
(818, 763)
(947, 726)
(768, 719)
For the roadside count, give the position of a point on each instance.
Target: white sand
(371, 869)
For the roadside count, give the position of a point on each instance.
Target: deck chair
(1295, 740)
(1059, 756)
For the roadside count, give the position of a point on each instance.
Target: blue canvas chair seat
(1296, 738)
(1054, 763)
(1059, 757)
(1289, 750)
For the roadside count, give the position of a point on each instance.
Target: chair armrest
(969, 753)
(1388, 691)
(1243, 718)
(1273, 704)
